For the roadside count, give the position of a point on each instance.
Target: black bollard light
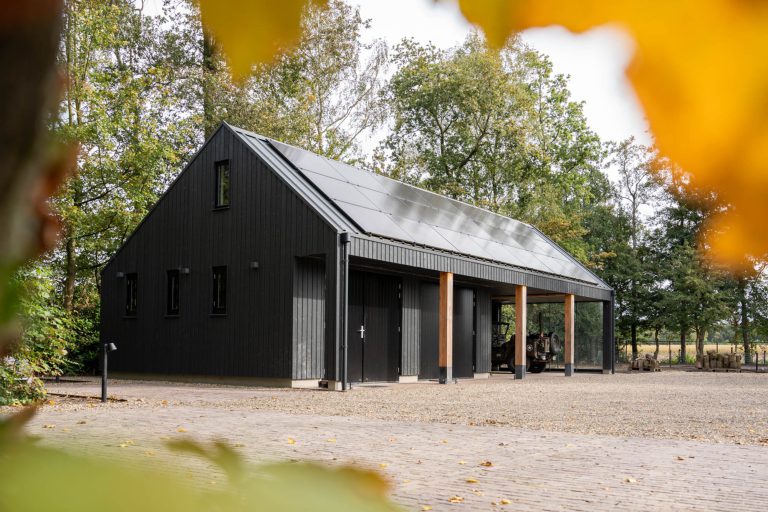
(106, 349)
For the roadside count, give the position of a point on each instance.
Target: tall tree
(121, 104)
(323, 96)
(635, 190)
(496, 129)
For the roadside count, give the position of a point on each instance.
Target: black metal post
(345, 240)
(104, 351)
(106, 348)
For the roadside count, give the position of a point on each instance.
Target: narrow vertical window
(222, 184)
(131, 294)
(219, 290)
(172, 292)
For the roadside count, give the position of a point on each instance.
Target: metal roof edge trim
(476, 259)
(303, 187)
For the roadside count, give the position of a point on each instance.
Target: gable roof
(387, 208)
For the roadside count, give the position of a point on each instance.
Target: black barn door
(429, 348)
(355, 322)
(374, 328)
(463, 332)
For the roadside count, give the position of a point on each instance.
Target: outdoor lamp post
(106, 349)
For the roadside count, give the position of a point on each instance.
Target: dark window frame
(219, 289)
(131, 294)
(172, 293)
(223, 185)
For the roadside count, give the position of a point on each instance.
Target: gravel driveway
(703, 406)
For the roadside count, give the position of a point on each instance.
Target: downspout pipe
(344, 240)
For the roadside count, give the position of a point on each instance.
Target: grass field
(648, 348)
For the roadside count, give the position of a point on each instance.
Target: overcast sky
(595, 61)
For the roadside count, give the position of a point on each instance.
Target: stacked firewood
(647, 363)
(714, 360)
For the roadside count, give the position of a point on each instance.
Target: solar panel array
(388, 208)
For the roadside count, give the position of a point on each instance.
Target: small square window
(219, 290)
(172, 292)
(131, 294)
(222, 184)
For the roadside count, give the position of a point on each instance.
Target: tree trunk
(209, 77)
(634, 341)
(69, 278)
(682, 346)
(699, 342)
(744, 320)
(656, 339)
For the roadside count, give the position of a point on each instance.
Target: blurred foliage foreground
(76, 483)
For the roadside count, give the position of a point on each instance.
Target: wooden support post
(445, 331)
(570, 332)
(521, 329)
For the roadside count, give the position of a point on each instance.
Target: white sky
(595, 61)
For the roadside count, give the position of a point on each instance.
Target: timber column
(521, 329)
(570, 332)
(445, 331)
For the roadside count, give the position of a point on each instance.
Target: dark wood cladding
(413, 256)
(309, 291)
(267, 223)
(411, 326)
(483, 322)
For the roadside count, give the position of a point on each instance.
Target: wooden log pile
(713, 360)
(647, 363)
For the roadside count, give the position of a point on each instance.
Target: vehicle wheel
(537, 367)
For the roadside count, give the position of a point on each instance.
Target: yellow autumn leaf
(456, 499)
(426, 507)
(291, 440)
(701, 74)
(504, 502)
(330, 440)
(471, 480)
(49, 426)
(486, 463)
(181, 429)
(252, 31)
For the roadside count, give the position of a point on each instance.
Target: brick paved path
(428, 463)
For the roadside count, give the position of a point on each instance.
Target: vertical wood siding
(483, 330)
(308, 318)
(266, 222)
(411, 328)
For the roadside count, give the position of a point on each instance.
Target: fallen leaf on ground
(426, 507)
(486, 463)
(462, 462)
(383, 465)
(49, 426)
(505, 502)
(630, 480)
(51, 402)
(81, 422)
(291, 440)
(331, 440)
(680, 458)
(164, 402)
(471, 480)
(181, 429)
(456, 499)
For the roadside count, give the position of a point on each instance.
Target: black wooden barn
(266, 263)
